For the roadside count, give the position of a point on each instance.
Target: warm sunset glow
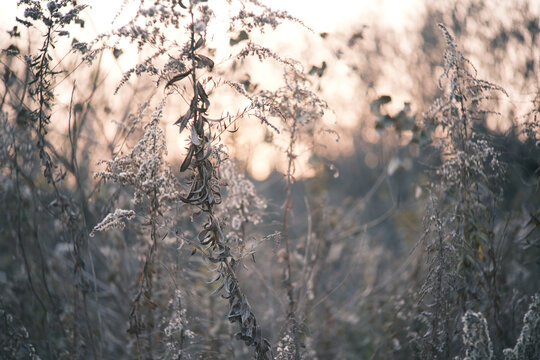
(262, 161)
(322, 16)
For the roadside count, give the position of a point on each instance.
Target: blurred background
(358, 52)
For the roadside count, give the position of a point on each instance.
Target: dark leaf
(200, 189)
(384, 99)
(199, 43)
(12, 50)
(375, 105)
(241, 36)
(205, 236)
(194, 137)
(355, 37)
(81, 46)
(181, 5)
(117, 52)
(318, 70)
(187, 160)
(7, 75)
(14, 32)
(183, 120)
(24, 22)
(203, 96)
(178, 78)
(228, 284)
(199, 125)
(245, 310)
(204, 61)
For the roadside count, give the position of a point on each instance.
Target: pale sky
(340, 18)
(337, 16)
(322, 16)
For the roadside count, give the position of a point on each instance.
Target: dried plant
(478, 344)
(177, 254)
(476, 337)
(204, 159)
(527, 345)
(466, 192)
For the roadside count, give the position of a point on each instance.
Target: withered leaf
(375, 105)
(187, 160)
(218, 289)
(12, 50)
(218, 276)
(199, 126)
(183, 120)
(194, 137)
(178, 78)
(319, 71)
(117, 52)
(203, 96)
(241, 36)
(199, 43)
(205, 61)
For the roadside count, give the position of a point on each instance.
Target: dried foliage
(466, 194)
(114, 248)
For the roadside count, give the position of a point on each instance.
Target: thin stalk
(291, 307)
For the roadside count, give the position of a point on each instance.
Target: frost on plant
(286, 347)
(528, 343)
(476, 338)
(144, 167)
(242, 205)
(342, 275)
(261, 17)
(478, 345)
(176, 333)
(114, 220)
(459, 222)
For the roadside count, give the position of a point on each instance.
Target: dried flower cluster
(176, 331)
(242, 205)
(459, 223)
(476, 337)
(144, 168)
(528, 343)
